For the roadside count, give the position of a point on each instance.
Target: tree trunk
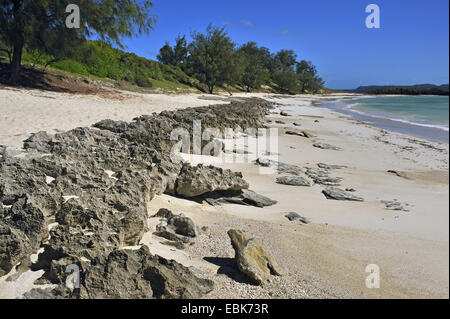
(19, 42)
(16, 60)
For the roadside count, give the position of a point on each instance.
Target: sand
(23, 112)
(324, 259)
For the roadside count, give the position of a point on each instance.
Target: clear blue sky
(412, 45)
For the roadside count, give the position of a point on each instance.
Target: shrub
(71, 66)
(142, 81)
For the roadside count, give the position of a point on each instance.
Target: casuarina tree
(211, 57)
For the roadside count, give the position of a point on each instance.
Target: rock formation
(94, 184)
(252, 258)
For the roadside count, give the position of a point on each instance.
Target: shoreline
(326, 258)
(430, 132)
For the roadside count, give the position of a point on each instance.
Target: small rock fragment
(326, 146)
(293, 216)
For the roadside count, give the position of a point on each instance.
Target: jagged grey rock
(339, 194)
(252, 258)
(284, 168)
(244, 197)
(198, 180)
(394, 205)
(125, 274)
(294, 181)
(329, 166)
(177, 228)
(322, 177)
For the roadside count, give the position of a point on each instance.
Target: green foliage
(287, 81)
(166, 54)
(213, 61)
(71, 66)
(253, 63)
(211, 57)
(142, 80)
(308, 79)
(175, 56)
(37, 57)
(284, 60)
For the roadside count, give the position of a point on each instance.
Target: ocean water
(423, 116)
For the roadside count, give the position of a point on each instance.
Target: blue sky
(412, 45)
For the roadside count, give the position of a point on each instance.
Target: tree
(42, 25)
(253, 60)
(180, 51)
(309, 81)
(287, 81)
(175, 56)
(284, 60)
(166, 54)
(210, 57)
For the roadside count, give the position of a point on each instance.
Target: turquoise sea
(423, 116)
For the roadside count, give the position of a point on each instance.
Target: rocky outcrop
(126, 273)
(22, 229)
(252, 258)
(95, 183)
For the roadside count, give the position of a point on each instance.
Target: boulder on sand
(197, 180)
(252, 258)
(244, 197)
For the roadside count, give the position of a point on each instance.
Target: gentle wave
(350, 108)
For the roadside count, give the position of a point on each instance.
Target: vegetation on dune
(41, 25)
(215, 60)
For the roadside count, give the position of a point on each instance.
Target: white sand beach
(326, 258)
